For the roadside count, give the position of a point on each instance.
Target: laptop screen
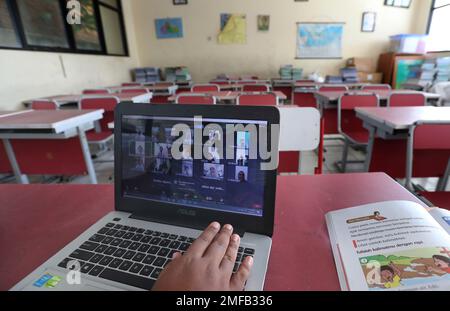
(201, 175)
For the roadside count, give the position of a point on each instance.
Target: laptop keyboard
(132, 256)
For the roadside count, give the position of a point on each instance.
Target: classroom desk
(47, 125)
(398, 123)
(228, 95)
(331, 97)
(301, 256)
(155, 89)
(72, 100)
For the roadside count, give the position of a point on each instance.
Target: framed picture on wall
(398, 3)
(180, 2)
(369, 21)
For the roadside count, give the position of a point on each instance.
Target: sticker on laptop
(48, 280)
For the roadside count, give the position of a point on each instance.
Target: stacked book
(182, 74)
(349, 75)
(286, 72)
(139, 75)
(334, 80)
(147, 74)
(443, 69)
(297, 74)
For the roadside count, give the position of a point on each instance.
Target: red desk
(38, 220)
(229, 95)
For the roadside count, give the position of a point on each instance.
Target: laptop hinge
(238, 230)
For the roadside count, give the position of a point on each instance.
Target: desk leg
(369, 149)
(87, 155)
(21, 179)
(409, 159)
(443, 182)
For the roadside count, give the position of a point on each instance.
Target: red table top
(36, 221)
(228, 95)
(404, 117)
(382, 94)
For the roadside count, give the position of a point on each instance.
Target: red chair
(130, 84)
(102, 134)
(95, 91)
(329, 114)
(44, 105)
(220, 82)
(376, 87)
(195, 99)
(407, 100)
(260, 99)
(133, 90)
(350, 126)
(205, 88)
(244, 82)
(305, 81)
(256, 88)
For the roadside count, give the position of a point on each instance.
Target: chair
(133, 90)
(205, 88)
(220, 82)
(195, 99)
(131, 84)
(257, 99)
(376, 87)
(244, 82)
(407, 100)
(95, 91)
(329, 114)
(44, 105)
(102, 134)
(350, 126)
(256, 88)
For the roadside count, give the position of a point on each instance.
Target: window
(438, 26)
(8, 33)
(41, 25)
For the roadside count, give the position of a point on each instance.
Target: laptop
(165, 199)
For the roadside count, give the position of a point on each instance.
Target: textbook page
(393, 245)
(442, 216)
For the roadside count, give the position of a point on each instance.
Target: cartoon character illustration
(390, 276)
(442, 264)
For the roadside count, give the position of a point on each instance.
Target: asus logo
(187, 212)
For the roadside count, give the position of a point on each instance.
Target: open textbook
(397, 245)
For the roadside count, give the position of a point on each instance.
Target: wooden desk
(301, 256)
(66, 100)
(47, 125)
(400, 123)
(155, 89)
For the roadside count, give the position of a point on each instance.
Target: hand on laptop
(208, 264)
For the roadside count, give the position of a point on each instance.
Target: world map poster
(167, 28)
(319, 40)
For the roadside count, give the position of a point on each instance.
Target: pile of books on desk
(349, 75)
(286, 72)
(177, 74)
(289, 72)
(147, 74)
(443, 69)
(334, 80)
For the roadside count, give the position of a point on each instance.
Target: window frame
(68, 31)
(430, 20)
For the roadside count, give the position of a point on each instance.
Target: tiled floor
(104, 167)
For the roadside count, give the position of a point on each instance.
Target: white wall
(264, 52)
(25, 75)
